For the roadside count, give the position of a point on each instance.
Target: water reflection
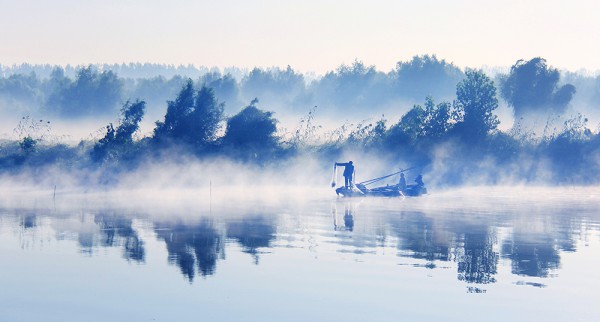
(348, 217)
(476, 258)
(117, 231)
(105, 230)
(28, 221)
(532, 258)
(195, 248)
(417, 237)
(252, 233)
(473, 245)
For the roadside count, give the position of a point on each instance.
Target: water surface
(467, 255)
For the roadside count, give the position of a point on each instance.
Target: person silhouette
(348, 173)
(348, 219)
(402, 183)
(419, 181)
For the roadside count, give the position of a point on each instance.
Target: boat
(361, 190)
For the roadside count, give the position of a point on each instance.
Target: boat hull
(385, 191)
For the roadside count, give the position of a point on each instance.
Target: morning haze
(311, 36)
(299, 160)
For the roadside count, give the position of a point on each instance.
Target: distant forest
(447, 118)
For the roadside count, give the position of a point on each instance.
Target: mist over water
(224, 210)
(417, 115)
(452, 248)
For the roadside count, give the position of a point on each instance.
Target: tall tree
(476, 100)
(532, 86)
(177, 111)
(205, 119)
(131, 115)
(282, 82)
(225, 87)
(117, 143)
(352, 87)
(193, 118)
(426, 76)
(252, 131)
(411, 126)
(91, 94)
(437, 118)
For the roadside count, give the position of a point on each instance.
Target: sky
(309, 35)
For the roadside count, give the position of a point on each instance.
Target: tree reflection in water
(536, 251)
(472, 243)
(191, 245)
(532, 243)
(111, 230)
(531, 258)
(418, 238)
(196, 248)
(118, 231)
(252, 233)
(477, 261)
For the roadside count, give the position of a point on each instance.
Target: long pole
(387, 176)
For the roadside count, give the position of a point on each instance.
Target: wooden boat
(361, 189)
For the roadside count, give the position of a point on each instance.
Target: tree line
(452, 138)
(355, 89)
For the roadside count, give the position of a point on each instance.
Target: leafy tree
(430, 122)
(476, 100)
(426, 76)
(252, 131)
(193, 118)
(156, 90)
(413, 122)
(437, 119)
(411, 126)
(116, 143)
(103, 149)
(351, 87)
(532, 86)
(91, 94)
(177, 112)
(20, 86)
(206, 117)
(276, 81)
(56, 83)
(132, 114)
(224, 86)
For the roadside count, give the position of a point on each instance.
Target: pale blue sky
(309, 35)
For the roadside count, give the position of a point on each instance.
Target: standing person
(348, 173)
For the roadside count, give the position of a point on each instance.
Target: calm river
(485, 254)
